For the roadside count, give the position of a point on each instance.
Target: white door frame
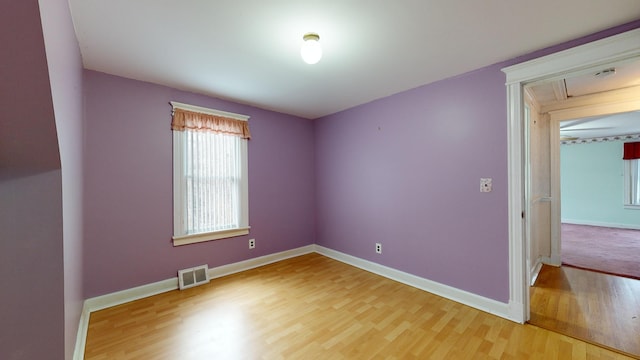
(578, 60)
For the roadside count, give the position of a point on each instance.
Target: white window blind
(212, 171)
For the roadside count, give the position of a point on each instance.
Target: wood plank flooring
(313, 307)
(596, 307)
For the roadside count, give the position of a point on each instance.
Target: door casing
(584, 59)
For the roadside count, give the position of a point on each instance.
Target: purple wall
(31, 247)
(405, 171)
(24, 94)
(65, 74)
(128, 191)
(31, 285)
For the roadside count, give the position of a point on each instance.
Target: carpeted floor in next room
(608, 250)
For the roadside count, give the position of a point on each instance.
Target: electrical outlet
(378, 248)
(252, 243)
(486, 184)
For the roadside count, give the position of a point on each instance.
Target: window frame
(180, 236)
(629, 167)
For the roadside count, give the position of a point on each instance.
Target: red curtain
(631, 151)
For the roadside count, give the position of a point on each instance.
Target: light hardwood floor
(313, 307)
(596, 307)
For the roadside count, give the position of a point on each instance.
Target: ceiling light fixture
(311, 50)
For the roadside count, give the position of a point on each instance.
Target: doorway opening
(591, 149)
(582, 298)
(600, 230)
(588, 58)
(523, 223)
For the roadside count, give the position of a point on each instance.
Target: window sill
(632, 207)
(197, 238)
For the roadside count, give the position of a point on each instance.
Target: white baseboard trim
(601, 223)
(139, 292)
(125, 296)
(229, 269)
(515, 311)
(476, 301)
(81, 336)
(535, 271)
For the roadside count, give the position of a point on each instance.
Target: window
(631, 159)
(210, 185)
(632, 183)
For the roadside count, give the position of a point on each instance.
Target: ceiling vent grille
(193, 277)
(605, 73)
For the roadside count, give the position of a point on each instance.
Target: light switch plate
(486, 184)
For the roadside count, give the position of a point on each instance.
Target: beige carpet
(608, 250)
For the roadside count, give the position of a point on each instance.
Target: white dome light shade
(311, 50)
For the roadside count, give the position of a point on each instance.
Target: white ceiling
(608, 78)
(602, 126)
(619, 76)
(248, 50)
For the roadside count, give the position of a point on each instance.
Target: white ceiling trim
(595, 110)
(621, 47)
(612, 96)
(600, 139)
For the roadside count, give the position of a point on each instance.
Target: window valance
(631, 151)
(208, 120)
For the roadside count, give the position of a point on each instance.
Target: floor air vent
(193, 277)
